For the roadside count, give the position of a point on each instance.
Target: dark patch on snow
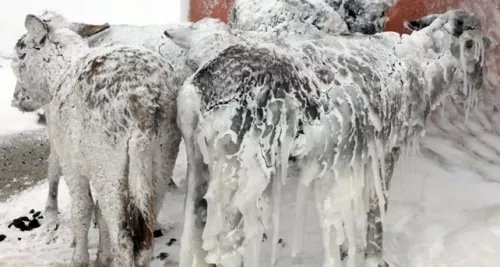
(264, 237)
(2, 237)
(41, 119)
(20, 223)
(162, 256)
(32, 211)
(171, 241)
(157, 233)
(36, 214)
(33, 224)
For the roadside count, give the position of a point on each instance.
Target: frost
(341, 106)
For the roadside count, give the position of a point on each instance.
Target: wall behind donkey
(91, 11)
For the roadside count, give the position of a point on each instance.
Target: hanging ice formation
(336, 106)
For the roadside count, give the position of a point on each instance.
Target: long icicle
(377, 179)
(300, 217)
(276, 216)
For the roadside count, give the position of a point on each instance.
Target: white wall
(93, 11)
(184, 10)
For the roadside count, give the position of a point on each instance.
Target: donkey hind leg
(374, 240)
(104, 255)
(111, 189)
(164, 159)
(53, 175)
(81, 208)
(192, 253)
(223, 235)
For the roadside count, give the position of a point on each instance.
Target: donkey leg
(111, 188)
(104, 255)
(143, 200)
(53, 175)
(374, 252)
(192, 253)
(81, 208)
(164, 159)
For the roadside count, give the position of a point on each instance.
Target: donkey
(149, 36)
(340, 105)
(111, 120)
(305, 16)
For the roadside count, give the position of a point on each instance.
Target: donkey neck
(66, 54)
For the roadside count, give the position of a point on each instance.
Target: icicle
(381, 156)
(252, 251)
(377, 179)
(300, 218)
(403, 161)
(275, 216)
(350, 231)
(286, 138)
(307, 174)
(463, 62)
(443, 107)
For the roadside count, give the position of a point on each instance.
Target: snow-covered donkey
(111, 113)
(306, 16)
(150, 36)
(340, 105)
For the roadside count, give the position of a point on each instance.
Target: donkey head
(201, 40)
(459, 34)
(366, 17)
(42, 54)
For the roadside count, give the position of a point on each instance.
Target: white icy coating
(111, 113)
(285, 17)
(307, 16)
(352, 99)
(149, 36)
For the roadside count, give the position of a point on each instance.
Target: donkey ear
(181, 36)
(87, 30)
(416, 25)
(37, 29)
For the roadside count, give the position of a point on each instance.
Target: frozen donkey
(111, 120)
(341, 105)
(149, 36)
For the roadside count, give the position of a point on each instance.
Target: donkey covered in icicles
(340, 105)
(111, 119)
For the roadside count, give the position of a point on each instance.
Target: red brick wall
(209, 8)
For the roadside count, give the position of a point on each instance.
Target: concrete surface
(23, 161)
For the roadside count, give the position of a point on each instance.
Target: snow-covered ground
(444, 209)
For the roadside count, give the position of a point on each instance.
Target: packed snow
(444, 207)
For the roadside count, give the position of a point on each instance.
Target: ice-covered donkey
(339, 104)
(150, 36)
(306, 16)
(111, 113)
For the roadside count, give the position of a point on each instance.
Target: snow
(444, 207)
(11, 119)
(437, 217)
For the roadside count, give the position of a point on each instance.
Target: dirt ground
(23, 161)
